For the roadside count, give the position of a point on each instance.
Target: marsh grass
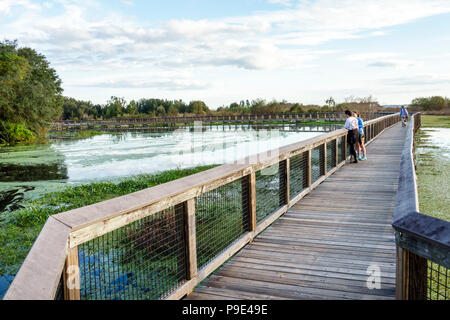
(19, 229)
(429, 121)
(433, 175)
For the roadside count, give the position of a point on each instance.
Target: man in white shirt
(351, 124)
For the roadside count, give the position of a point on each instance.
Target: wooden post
(191, 239)
(414, 269)
(308, 169)
(284, 179)
(400, 279)
(336, 153)
(323, 159)
(71, 276)
(249, 200)
(345, 147)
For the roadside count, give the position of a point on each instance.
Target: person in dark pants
(351, 124)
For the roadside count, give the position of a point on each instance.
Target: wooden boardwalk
(323, 246)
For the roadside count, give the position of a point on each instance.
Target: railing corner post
(71, 275)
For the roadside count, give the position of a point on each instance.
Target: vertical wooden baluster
(323, 159)
(336, 153)
(284, 179)
(249, 200)
(308, 169)
(191, 239)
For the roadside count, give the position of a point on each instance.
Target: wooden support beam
(336, 153)
(287, 181)
(417, 277)
(252, 201)
(323, 159)
(191, 239)
(308, 169)
(282, 184)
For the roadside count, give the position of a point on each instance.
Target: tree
(330, 102)
(115, 107)
(160, 111)
(30, 91)
(132, 108)
(173, 111)
(198, 107)
(430, 103)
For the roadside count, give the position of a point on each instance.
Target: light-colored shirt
(351, 123)
(403, 113)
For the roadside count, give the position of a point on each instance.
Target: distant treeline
(436, 103)
(117, 107)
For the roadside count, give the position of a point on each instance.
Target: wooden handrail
(191, 118)
(64, 232)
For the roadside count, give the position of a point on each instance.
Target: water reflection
(10, 199)
(35, 172)
(28, 171)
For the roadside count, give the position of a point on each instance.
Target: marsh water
(433, 171)
(27, 172)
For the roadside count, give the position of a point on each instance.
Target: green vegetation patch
(433, 176)
(19, 229)
(435, 121)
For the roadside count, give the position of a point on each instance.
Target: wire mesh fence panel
(438, 280)
(341, 149)
(144, 260)
(316, 156)
(298, 176)
(268, 192)
(331, 154)
(221, 218)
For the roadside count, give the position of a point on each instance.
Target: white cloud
(81, 39)
(287, 3)
(6, 6)
(261, 35)
(418, 80)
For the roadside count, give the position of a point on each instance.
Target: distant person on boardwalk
(351, 124)
(360, 146)
(404, 116)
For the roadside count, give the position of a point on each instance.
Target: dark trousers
(352, 138)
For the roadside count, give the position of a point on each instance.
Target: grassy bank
(433, 171)
(20, 228)
(429, 121)
(433, 178)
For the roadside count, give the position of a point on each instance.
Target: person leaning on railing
(351, 124)
(360, 146)
(404, 115)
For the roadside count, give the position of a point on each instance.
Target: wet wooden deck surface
(323, 246)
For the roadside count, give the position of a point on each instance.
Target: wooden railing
(230, 119)
(423, 242)
(161, 242)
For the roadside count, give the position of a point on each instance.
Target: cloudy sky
(225, 51)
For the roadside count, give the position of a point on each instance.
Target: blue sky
(226, 51)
